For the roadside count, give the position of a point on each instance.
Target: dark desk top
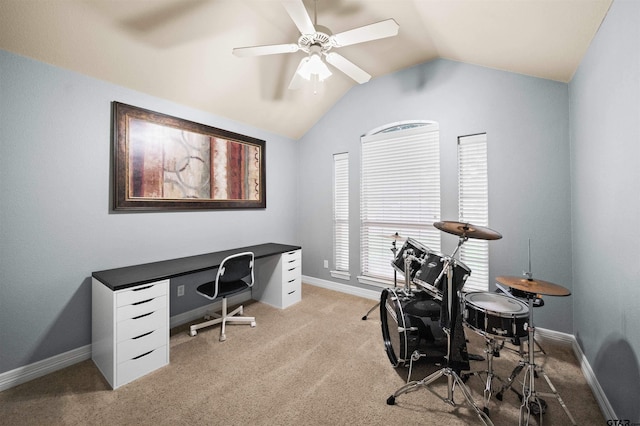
(130, 276)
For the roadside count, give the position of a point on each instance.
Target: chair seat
(208, 289)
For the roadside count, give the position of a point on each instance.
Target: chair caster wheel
(499, 396)
(364, 318)
(253, 323)
(486, 411)
(223, 337)
(192, 333)
(391, 400)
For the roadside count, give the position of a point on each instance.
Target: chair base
(223, 318)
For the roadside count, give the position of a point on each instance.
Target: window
(473, 206)
(400, 192)
(341, 215)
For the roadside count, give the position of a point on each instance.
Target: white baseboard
(598, 393)
(46, 366)
(29, 372)
(343, 288)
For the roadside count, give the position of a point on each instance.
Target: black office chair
(235, 274)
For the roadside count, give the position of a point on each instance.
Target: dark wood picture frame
(167, 163)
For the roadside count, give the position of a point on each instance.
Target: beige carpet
(315, 363)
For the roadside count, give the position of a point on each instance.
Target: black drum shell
(408, 323)
(502, 325)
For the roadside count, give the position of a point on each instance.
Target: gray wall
(605, 179)
(56, 227)
(526, 121)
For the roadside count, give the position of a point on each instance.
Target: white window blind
(341, 211)
(473, 207)
(400, 192)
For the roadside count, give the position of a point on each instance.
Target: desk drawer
(292, 258)
(142, 292)
(135, 327)
(131, 369)
(292, 284)
(136, 346)
(141, 308)
(290, 298)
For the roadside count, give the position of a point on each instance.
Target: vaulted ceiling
(180, 50)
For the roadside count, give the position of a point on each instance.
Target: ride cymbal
(534, 286)
(468, 230)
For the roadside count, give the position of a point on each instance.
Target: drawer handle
(142, 335)
(292, 280)
(291, 292)
(143, 288)
(145, 354)
(291, 261)
(292, 269)
(144, 315)
(142, 301)
(292, 252)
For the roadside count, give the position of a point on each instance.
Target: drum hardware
(530, 398)
(519, 341)
(395, 237)
(464, 231)
(492, 350)
(496, 318)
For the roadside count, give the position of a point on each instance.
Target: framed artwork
(167, 163)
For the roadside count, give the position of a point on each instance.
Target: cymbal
(468, 230)
(534, 286)
(396, 237)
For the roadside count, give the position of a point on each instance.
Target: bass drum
(409, 322)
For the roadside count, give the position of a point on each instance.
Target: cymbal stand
(531, 403)
(394, 249)
(453, 378)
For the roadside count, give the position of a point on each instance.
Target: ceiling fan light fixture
(313, 65)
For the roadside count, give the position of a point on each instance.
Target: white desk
(130, 305)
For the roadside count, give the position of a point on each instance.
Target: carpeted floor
(315, 363)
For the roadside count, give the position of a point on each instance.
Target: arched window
(399, 192)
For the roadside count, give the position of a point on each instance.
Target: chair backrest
(236, 267)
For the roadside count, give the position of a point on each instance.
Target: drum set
(425, 319)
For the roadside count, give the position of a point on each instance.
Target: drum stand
(492, 350)
(394, 249)
(531, 403)
(453, 377)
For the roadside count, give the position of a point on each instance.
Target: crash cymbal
(534, 286)
(468, 230)
(396, 237)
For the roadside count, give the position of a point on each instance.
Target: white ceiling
(181, 49)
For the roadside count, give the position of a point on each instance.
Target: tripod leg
(364, 318)
(557, 395)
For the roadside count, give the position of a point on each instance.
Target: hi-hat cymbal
(468, 230)
(396, 237)
(534, 286)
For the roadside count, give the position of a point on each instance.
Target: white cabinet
(279, 279)
(130, 330)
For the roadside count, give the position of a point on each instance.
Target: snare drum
(495, 315)
(409, 322)
(419, 251)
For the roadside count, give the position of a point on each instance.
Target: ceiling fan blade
(348, 67)
(271, 49)
(299, 15)
(382, 29)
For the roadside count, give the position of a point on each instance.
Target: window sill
(341, 275)
(374, 281)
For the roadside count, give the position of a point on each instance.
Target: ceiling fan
(317, 42)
